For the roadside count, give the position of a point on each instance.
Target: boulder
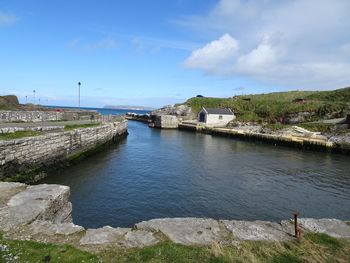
(50, 229)
(332, 227)
(103, 236)
(139, 238)
(183, 111)
(38, 202)
(186, 231)
(256, 230)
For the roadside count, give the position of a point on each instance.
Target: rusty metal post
(296, 227)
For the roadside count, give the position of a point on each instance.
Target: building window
(220, 117)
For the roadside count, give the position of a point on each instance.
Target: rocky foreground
(43, 213)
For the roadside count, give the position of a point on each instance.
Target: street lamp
(79, 94)
(34, 96)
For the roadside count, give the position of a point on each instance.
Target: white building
(215, 117)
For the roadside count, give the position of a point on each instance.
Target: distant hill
(127, 107)
(9, 102)
(269, 107)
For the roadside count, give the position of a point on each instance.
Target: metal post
(79, 94)
(26, 99)
(34, 96)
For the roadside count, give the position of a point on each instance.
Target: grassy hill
(269, 107)
(9, 102)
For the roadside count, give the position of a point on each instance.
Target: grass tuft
(29, 251)
(326, 241)
(76, 126)
(18, 134)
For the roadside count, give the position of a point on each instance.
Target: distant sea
(103, 111)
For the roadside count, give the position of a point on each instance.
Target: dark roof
(220, 111)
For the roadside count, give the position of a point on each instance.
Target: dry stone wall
(47, 115)
(30, 116)
(24, 154)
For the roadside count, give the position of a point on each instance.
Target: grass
(270, 107)
(311, 248)
(18, 134)
(29, 251)
(76, 126)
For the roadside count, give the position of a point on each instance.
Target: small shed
(218, 117)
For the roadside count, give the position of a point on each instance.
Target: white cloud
(214, 54)
(104, 43)
(300, 43)
(6, 19)
(262, 56)
(154, 45)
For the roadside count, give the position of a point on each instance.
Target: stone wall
(30, 116)
(31, 153)
(166, 121)
(47, 115)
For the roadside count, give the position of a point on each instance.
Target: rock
(140, 238)
(333, 227)
(48, 228)
(183, 111)
(38, 202)
(103, 236)
(343, 139)
(7, 190)
(187, 231)
(256, 230)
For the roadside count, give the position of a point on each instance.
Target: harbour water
(170, 173)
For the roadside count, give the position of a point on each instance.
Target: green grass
(269, 107)
(76, 126)
(18, 134)
(29, 251)
(311, 248)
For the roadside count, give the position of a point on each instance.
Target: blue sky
(160, 52)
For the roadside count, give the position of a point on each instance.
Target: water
(169, 173)
(101, 110)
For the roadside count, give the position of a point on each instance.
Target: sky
(159, 52)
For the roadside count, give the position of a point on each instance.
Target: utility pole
(79, 94)
(34, 96)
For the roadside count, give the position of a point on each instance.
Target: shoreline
(29, 159)
(49, 220)
(299, 142)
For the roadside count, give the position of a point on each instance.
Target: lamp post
(34, 96)
(26, 99)
(79, 94)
